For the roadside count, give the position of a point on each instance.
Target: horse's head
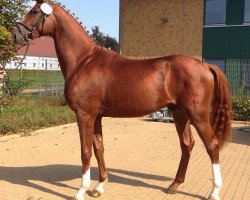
(38, 21)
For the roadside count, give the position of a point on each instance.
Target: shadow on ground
(158, 120)
(55, 174)
(241, 135)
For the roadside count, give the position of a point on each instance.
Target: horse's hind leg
(99, 154)
(201, 122)
(186, 142)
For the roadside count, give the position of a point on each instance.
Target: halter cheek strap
(28, 36)
(46, 9)
(31, 28)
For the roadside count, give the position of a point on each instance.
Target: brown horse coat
(101, 83)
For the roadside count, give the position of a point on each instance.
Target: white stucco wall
(35, 63)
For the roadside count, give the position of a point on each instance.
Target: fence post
(21, 77)
(46, 74)
(40, 94)
(52, 90)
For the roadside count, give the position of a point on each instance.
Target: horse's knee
(86, 156)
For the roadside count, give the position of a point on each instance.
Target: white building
(41, 55)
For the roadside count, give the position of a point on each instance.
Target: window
(219, 62)
(215, 12)
(247, 11)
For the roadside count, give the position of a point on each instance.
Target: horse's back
(142, 86)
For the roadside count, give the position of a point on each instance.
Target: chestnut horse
(100, 83)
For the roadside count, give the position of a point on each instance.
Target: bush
(14, 87)
(241, 107)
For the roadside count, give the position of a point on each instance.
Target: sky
(102, 13)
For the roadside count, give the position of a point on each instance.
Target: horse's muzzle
(18, 38)
(21, 39)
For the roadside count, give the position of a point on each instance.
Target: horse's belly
(135, 105)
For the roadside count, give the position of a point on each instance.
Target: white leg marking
(99, 189)
(84, 186)
(217, 181)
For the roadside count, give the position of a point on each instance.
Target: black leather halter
(29, 35)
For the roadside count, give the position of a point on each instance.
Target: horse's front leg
(86, 126)
(186, 143)
(99, 154)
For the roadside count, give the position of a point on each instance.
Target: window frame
(214, 23)
(246, 21)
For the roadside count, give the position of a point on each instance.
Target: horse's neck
(71, 42)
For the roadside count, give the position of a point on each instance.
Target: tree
(10, 12)
(104, 40)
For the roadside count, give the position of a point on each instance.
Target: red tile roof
(41, 47)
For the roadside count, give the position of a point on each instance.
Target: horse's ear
(39, 1)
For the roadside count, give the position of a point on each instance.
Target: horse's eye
(33, 12)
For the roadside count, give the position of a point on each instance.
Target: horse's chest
(81, 95)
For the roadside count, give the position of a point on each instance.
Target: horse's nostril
(30, 36)
(14, 37)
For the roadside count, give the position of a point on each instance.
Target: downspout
(120, 25)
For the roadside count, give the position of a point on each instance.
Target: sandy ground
(142, 157)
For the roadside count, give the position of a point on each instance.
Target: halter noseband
(28, 36)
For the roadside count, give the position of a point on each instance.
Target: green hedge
(241, 107)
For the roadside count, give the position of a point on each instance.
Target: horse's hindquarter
(191, 83)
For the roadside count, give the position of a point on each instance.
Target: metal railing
(48, 82)
(34, 82)
(237, 72)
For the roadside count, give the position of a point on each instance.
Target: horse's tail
(221, 107)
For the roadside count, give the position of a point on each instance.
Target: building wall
(143, 34)
(229, 40)
(35, 63)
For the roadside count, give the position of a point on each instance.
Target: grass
(24, 114)
(37, 77)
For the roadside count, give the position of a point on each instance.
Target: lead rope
(24, 56)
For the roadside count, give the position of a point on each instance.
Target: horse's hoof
(171, 190)
(78, 198)
(74, 198)
(96, 193)
(212, 198)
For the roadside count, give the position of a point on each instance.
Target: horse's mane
(80, 23)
